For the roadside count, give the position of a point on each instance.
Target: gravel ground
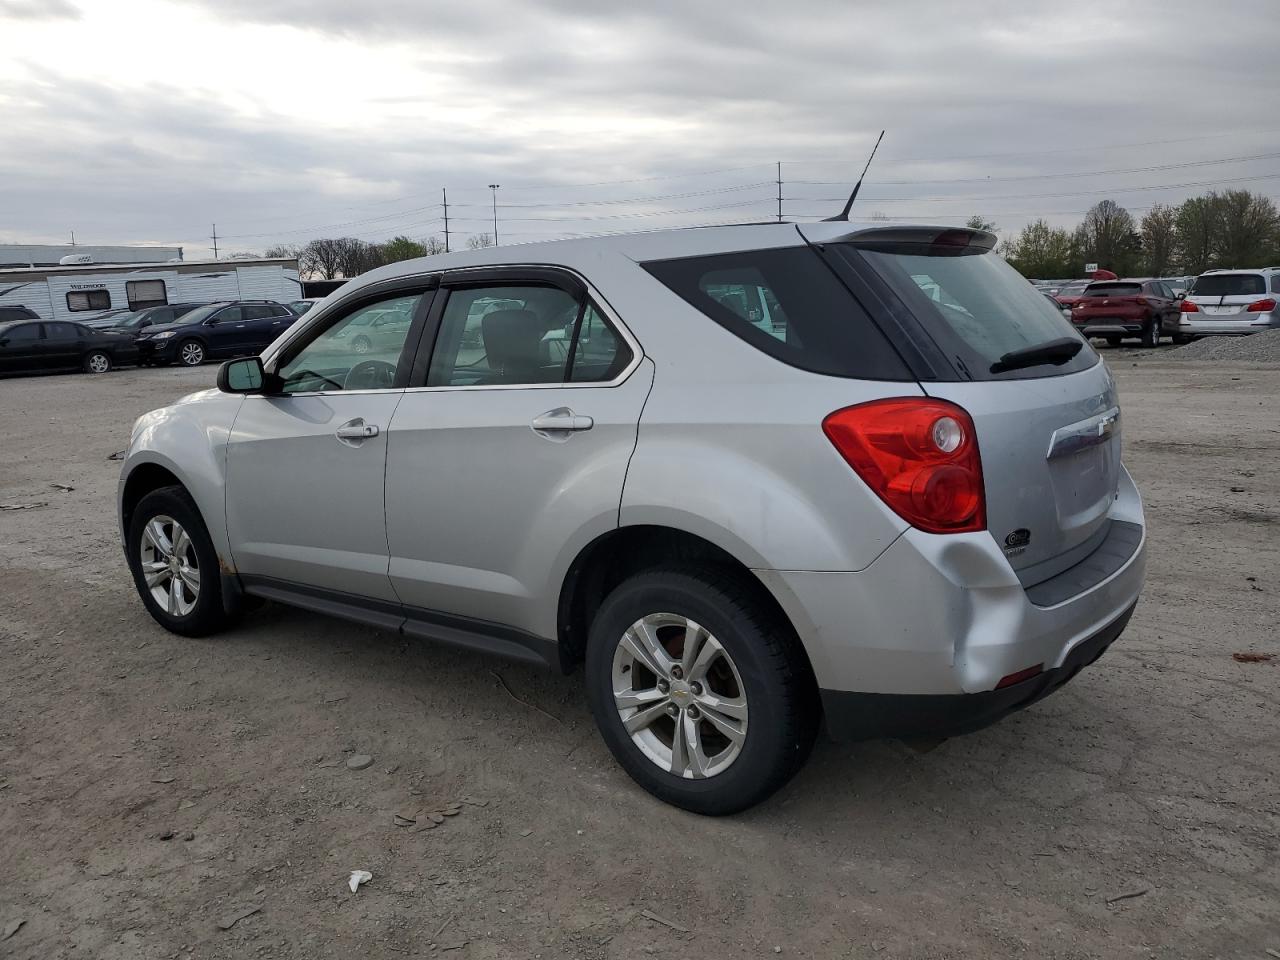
(155, 789)
(1256, 348)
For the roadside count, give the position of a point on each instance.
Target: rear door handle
(559, 421)
(356, 431)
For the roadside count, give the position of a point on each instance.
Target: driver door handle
(560, 420)
(356, 430)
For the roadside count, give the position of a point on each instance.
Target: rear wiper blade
(1052, 351)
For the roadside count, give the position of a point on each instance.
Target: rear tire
(190, 353)
(1113, 341)
(1151, 334)
(1182, 339)
(97, 361)
(746, 662)
(168, 542)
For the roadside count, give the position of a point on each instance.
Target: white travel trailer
(86, 291)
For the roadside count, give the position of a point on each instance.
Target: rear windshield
(974, 306)
(1113, 290)
(1229, 285)
(788, 304)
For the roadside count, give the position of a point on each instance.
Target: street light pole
(494, 187)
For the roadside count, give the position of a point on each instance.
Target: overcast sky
(141, 121)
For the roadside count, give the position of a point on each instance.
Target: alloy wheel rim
(98, 363)
(192, 354)
(170, 566)
(680, 696)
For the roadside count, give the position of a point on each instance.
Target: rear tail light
(1262, 306)
(1189, 307)
(919, 455)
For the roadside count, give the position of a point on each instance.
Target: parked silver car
(1230, 302)
(752, 478)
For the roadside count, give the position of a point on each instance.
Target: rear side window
(1275, 283)
(1229, 285)
(786, 303)
(973, 305)
(1113, 290)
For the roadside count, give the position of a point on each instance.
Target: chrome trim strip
(1087, 433)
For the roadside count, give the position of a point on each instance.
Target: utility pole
(779, 191)
(444, 193)
(215, 241)
(494, 187)
(73, 238)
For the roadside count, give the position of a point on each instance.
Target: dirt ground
(1155, 773)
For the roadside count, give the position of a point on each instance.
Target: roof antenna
(844, 214)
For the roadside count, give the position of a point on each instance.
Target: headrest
(511, 337)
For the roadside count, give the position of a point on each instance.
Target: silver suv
(753, 479)
(1230, 302)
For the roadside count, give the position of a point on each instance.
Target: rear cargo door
(1227, 296)
(1049, 431)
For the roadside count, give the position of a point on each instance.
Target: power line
(1041, 196)
(1053, 176)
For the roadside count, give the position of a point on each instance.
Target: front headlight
(163, 336)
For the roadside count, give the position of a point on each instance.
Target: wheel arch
(625, 551)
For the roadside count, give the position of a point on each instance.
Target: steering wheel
(370, 375)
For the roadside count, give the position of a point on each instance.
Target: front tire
(174, 564)
(700, 689)
(97, 361)
(190, 353)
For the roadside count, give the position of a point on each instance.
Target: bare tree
(1109, 237)
(284, 251)
(431, 246)
(1159, 236)
(321, 258)
(978, 222)
(479, 241)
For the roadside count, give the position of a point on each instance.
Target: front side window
(229, 315)
(145, 293)
(80, 300)
(22, 334)
(504, 336)
(363, 350)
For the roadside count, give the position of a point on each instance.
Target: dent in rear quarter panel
(189, 439)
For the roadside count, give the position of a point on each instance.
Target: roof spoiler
(930, 236)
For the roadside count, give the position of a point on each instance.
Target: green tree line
(1232, 229)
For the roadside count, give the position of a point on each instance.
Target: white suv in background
(1230, 302)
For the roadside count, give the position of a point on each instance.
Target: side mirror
(1180, 296)
(242, 376)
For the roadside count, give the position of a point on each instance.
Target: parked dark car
(8, 314)
(230, 329)
(1115, 309)
(45, 346)
(136, 320)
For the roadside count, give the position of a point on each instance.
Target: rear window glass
(1229, 285)
(974, 306)
(788, 304)
(1113, 290)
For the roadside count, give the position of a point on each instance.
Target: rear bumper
(1209, 328)
(938, 619)
(1113, 326)
(871, 716)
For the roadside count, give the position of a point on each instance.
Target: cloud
(38, 10)
(276, 117)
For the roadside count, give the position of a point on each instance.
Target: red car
(1069, 293)
(1116, 309)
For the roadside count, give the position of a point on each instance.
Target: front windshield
(200, 314)
(128, 319)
